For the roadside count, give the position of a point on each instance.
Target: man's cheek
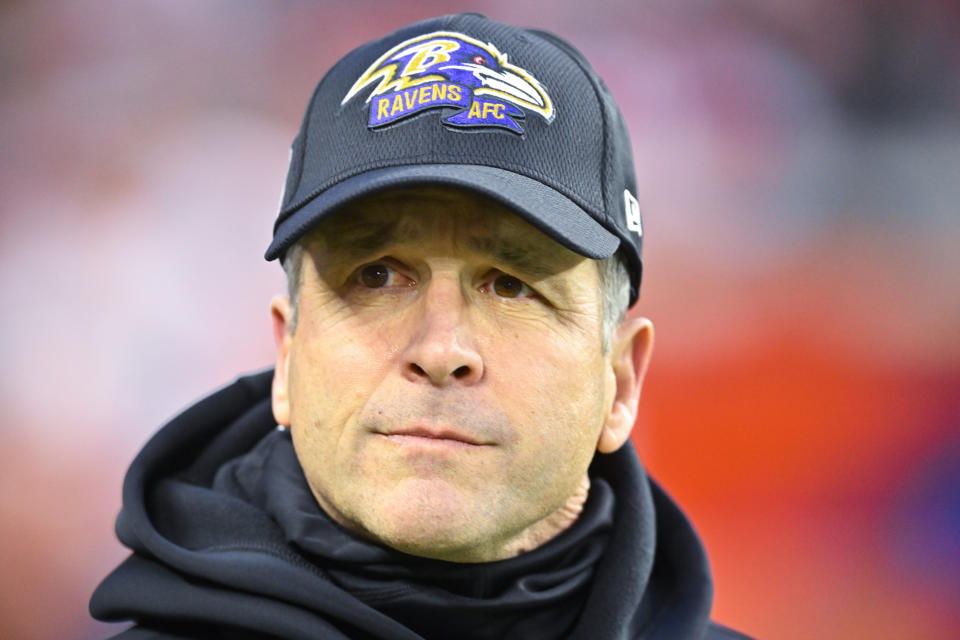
(568, 399)
(347, 359)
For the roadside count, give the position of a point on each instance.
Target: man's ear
(630, 356)
(281, 313)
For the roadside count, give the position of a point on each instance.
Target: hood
(209, 554)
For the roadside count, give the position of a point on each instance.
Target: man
(442, 450)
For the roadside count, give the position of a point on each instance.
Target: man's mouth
(438, 435)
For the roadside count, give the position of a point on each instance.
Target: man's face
(445, 385)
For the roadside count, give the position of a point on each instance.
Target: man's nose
(442, 350)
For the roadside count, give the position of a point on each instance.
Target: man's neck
(537, 534)
(543, 531)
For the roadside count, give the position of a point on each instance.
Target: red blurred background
(799, 172)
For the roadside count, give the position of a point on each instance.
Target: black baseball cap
(517, 115)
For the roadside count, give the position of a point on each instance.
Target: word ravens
(452, 70)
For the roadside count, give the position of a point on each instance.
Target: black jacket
(228, 543)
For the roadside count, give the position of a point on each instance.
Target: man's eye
(509, 287)
(376, 276)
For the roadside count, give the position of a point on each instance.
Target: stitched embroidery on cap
(446, 69)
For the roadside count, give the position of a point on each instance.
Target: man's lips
(440, 435)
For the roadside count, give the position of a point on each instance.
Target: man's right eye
(381, 275)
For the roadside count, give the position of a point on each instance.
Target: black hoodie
(228, 542)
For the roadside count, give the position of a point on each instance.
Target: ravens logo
(477, 74)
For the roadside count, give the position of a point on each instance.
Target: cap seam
(306, 129)
(569, 50)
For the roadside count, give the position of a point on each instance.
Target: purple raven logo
(449, 69)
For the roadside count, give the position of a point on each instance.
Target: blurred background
(799, 173)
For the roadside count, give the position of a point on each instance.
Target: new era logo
(632, 212)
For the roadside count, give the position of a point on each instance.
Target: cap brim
(546, 209)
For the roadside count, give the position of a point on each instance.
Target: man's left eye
(509, 287)
(375, 276)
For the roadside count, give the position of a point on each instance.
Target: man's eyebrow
(527, 259)
(351, 236)
(358, 234)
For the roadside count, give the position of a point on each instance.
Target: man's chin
(432, 519)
